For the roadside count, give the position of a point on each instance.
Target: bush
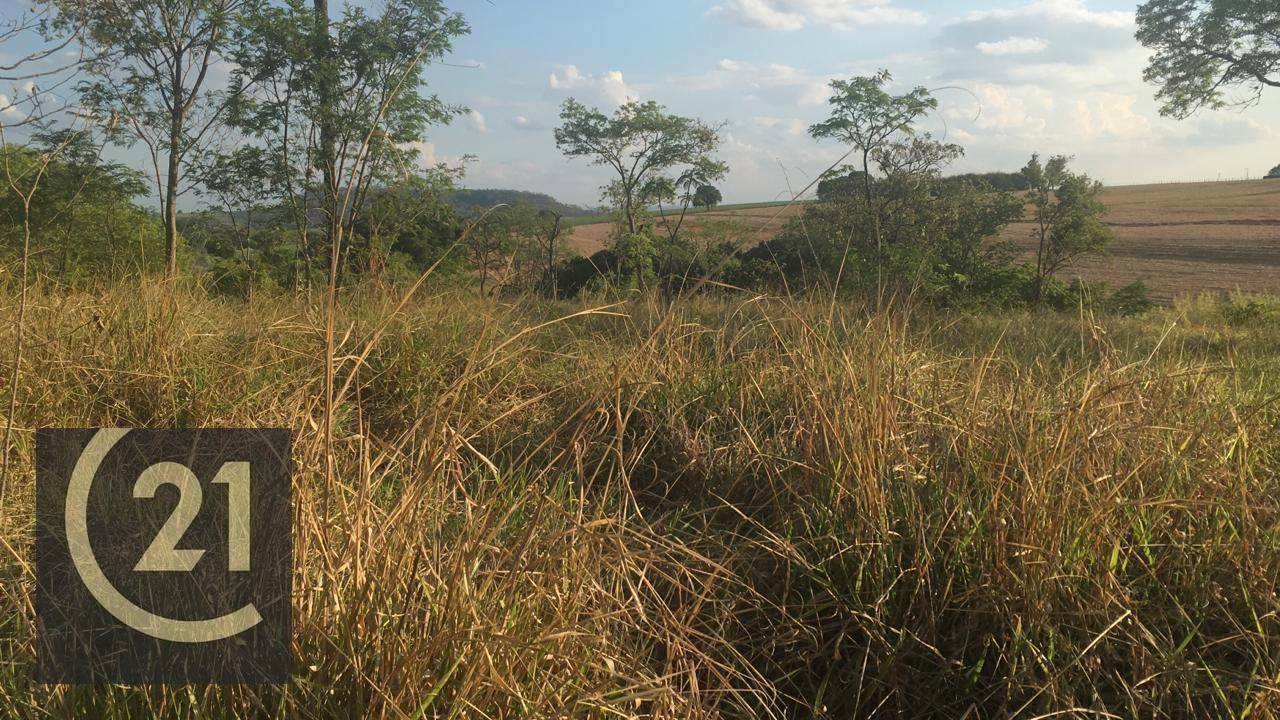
(1247, 312)
(1130, 300)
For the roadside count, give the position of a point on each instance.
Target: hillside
(1178, 238)
(471, 202)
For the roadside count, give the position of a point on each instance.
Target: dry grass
(728, 507)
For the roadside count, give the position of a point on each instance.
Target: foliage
(358, 140)
(1274, 173)
(642, 144)
(865, 116)
(1067, 216)
(1130, 300)
(84, 223)
(1013, 182)
(147, 68)
(1250, 311)
(1204, 48)
(707, 197)
(845, 182)
(470, 202)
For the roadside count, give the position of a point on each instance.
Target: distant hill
(471, 202)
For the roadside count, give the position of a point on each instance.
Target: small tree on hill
(865, 116)
(707, 196)
(1067, 215)
(641, 143)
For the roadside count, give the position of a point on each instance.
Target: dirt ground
(1180, 239)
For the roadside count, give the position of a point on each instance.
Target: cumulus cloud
(524, 123)
(1061, 34)
(609, 86)
(1101, 116)
(1221, 131)
(794, 127)
(476, 121)
(796, 14)
(1013, 46)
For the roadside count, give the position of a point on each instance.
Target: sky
(1011, 78)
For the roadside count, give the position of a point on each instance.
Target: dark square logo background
(79, 641)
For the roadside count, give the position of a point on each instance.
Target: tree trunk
(176, 117)
(171, 205)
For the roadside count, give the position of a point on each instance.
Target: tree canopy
(642, 144)
(1203, 49)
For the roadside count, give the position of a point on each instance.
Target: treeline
(893, 224)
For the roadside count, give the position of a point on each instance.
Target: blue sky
(1055, 76)
(1012, 77)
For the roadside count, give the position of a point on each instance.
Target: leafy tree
(342, 99)
(548, 231)
(865, 116)
(148, 67)
(998, 180)
(843, 183)
(408, 228)
(499, 242)
(1067, 215)
(80, 213)
(1203, 48)
(1274, 174)
(707, 197)
(641, 143)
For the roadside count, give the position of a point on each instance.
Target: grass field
(1181, 239)
(727, 507)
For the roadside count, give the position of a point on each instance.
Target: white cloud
(1065, 36)
(476, 121)
(1069, 11)
(522, 122)
(794, 127)
(1109, 116)
(1222, 130)
(609, 86)
(1013, 45)
(773, 83)
(796, 14)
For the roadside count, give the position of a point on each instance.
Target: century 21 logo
(163, 555)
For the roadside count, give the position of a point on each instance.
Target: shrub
(1130, 300)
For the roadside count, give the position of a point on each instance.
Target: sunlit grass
(718, 507)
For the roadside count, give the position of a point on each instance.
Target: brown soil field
(1181, 239)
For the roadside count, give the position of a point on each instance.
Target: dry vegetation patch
(725, 507)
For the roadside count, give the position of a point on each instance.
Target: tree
(346, 98)
(149, 63)
(641, 143)
(865, 116)
(1067, 217)
(549, 231)
(707, 196)
(1202, 48)
(289, 59)
(1274, 174)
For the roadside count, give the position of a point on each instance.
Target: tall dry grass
(726, 507)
